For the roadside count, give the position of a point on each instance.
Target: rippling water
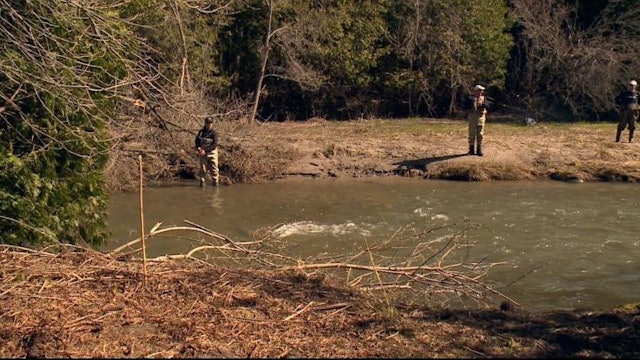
(574, 245)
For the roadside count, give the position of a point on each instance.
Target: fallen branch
(155, 231)
(298, 312)
(219, 236)
(190, 254)
(371, 273)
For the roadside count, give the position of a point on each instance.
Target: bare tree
(451, 45)
(291, 38)
(571, 68)
(296, 42)
(39, 59)
(264, 54)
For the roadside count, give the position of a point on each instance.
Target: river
(567, 245)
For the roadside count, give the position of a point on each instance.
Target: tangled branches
(73, 302)
(437, 270)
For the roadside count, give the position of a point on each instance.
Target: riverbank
(417, 147)
(79, 303)
(433, 149)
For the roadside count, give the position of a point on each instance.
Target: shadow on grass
(422, 164)
(560, 333)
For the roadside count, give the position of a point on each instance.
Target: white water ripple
(309, 227)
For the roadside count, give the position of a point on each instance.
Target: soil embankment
(436, 149)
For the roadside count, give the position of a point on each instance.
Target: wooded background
(86, 84)
(296, 59)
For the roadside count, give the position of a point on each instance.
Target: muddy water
(572, 245)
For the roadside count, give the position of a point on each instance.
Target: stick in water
(144, 249)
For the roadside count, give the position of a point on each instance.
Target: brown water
(578, 244)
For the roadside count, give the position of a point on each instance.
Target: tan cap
(633, 82)
(479, 87)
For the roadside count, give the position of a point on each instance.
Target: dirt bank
(426, 148)
(434, 149)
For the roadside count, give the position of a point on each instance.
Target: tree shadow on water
(422, 164)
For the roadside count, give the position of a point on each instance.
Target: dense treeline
(80, 79)
(297, 59)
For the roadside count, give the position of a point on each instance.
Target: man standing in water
(207, 151)
(627, 101)
(477, 107)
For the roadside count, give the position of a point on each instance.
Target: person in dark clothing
(627, 102)
(207, 151)
(477, 107)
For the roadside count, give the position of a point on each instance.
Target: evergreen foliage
(60, 62)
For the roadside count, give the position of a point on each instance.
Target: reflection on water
(575, 244)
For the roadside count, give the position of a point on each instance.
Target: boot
(471, 150)
(631, 134)
(479, 151)
(618, 133)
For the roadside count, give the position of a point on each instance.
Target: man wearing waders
(627, 101)
(207, 151)
(477, 107)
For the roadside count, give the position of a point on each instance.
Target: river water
(567, 245)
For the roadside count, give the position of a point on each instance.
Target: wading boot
(618, 133)
(203, 183)
(479, 151)
(631, 135)
(471, 152)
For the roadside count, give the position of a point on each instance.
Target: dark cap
(208, 120)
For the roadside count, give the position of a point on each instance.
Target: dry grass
(436, 149)
(80, 303)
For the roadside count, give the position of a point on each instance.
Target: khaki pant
(627, 117)
(209, 164)
(476, 126)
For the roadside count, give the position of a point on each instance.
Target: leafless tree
(264, 57)
(41, 60)
(292, 41)
(579, 69)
